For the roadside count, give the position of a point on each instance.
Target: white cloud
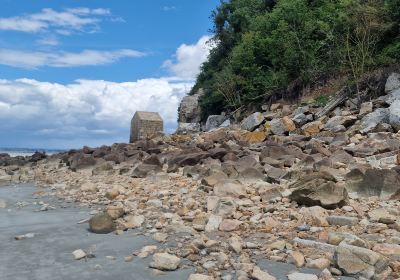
(90, 112)
(36, 59)
(189, 58)
(63, 22)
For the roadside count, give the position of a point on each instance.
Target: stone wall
(143, 129)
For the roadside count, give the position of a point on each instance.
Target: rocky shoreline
(283, 185)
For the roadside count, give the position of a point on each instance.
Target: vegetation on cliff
(276, 48)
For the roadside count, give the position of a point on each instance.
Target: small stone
(342, 220)
(115, 212)
(128, 259)
(146, 251)
(320, 263)
(297, 258)
(79, 254)
(25, 236)
(3, 204)
(259, 274)
(165, 261)
(160, 237)
(133, 221)
(229, 225)
(236, 244)
(302, 276)
(112, 194)
(213, 223)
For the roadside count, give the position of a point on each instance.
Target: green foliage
(321, 100)
(264, 46)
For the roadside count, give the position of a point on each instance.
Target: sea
(26, 151)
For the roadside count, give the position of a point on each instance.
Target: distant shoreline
(14, 152)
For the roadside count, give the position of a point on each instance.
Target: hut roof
(148, 116)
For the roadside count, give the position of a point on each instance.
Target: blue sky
(72, 73)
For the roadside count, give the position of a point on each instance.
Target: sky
(73, 73)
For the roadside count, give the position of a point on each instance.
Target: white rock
(79, 254)
(213, 223)
(134, 221)
(258, 274)
(165, 261)
(25, 236)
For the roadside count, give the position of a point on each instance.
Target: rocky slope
(284, 185)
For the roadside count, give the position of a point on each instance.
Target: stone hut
(145, 125)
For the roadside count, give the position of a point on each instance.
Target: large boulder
(312, 128)
(392, 83)
(214, 121)
(394, 115)
(81, 161)
(189, 109)
(229, 187)
(143, 169)
(383, 183)
(338, 121)
(372, 120)
(319, 189)
(361, 262)
(188, 159)
(101, 223)
(282, 126)
(253, 121)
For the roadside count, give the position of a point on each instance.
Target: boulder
(188, 128)
(372, 120)
(302, 119)
(255, 137)
(360, 262)
(366, 108)
(319, 189)
(252, 122)
(190, 159)
(101, 223)
(80, 161)
(142, 170)
(394, 115)
(189, 109)
(229, 187)
(383, 183)
(392, 83)
(312, 128)
(282, 126)
(165, 261)
(339, 121)
(214, 121)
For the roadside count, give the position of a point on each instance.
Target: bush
(264, 46)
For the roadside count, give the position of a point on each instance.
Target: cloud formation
(36, 59)
(188, 59)
(62, 22)
(88, 112)
(85, 112)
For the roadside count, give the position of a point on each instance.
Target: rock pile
(318, 193)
